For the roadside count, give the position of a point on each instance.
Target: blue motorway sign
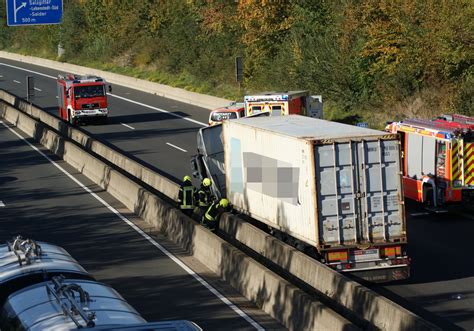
(32, 12)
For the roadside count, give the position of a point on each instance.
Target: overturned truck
(333, 189)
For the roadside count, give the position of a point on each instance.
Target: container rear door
(359, 192)
(336, 185)
(383, 218)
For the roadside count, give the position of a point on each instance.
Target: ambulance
(284, 103)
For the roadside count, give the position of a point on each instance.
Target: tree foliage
(391, 57)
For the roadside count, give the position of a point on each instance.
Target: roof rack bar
(24, 249)
(70, 308)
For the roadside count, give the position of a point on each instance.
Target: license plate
(365, 255)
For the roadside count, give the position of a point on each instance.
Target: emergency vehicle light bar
(267, 97)
(80, 79)
(424, 131)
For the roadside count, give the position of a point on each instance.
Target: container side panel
(236, 166)
(269, 177)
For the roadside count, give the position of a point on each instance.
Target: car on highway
(231, 111)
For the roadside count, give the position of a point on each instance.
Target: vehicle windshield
(237, 104)
(219, 117)
(90, 91)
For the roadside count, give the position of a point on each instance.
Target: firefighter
(186, 196)
(211, 216)
(204, 194)
(204, 198)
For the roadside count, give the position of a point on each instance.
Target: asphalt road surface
(442, 283)
(41, 201)
(160, 132)
(442, 270)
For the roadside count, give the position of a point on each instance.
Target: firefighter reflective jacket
(186, 195)
(213, 212)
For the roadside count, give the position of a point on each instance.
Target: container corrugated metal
(325, 183)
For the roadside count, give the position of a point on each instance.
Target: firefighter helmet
(206, 182)
(186, 179)
(224, 203)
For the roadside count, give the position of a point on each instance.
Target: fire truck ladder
(26, 250)
(65, 296)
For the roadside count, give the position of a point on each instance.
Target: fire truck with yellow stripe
(437, 159)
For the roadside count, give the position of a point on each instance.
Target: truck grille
(90, 105)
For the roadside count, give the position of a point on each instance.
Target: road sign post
(239, 70)
(30, 88)
(33, 12)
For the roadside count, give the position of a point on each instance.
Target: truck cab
(82, 97)
(232, 111)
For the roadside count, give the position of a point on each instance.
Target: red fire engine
(438, 159)
(81, 97)
(284, 103)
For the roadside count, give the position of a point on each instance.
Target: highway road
(159, 132)
(442, 282)
(442, 272)
(51, 202)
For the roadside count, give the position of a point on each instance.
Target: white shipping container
(325, 183)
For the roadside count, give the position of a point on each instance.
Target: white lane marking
(423, 213)
(2, 204)
(119, 97)
(159, 109)
(214, 291)
(128, 126)
(57, 97)
(34, 72)
(15, 81)
(37, 89)
(183, 150)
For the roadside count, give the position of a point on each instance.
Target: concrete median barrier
(193, 98)
(160, 183)
(374, 308)
(287, 304)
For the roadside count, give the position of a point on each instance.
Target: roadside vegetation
(371, 60)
